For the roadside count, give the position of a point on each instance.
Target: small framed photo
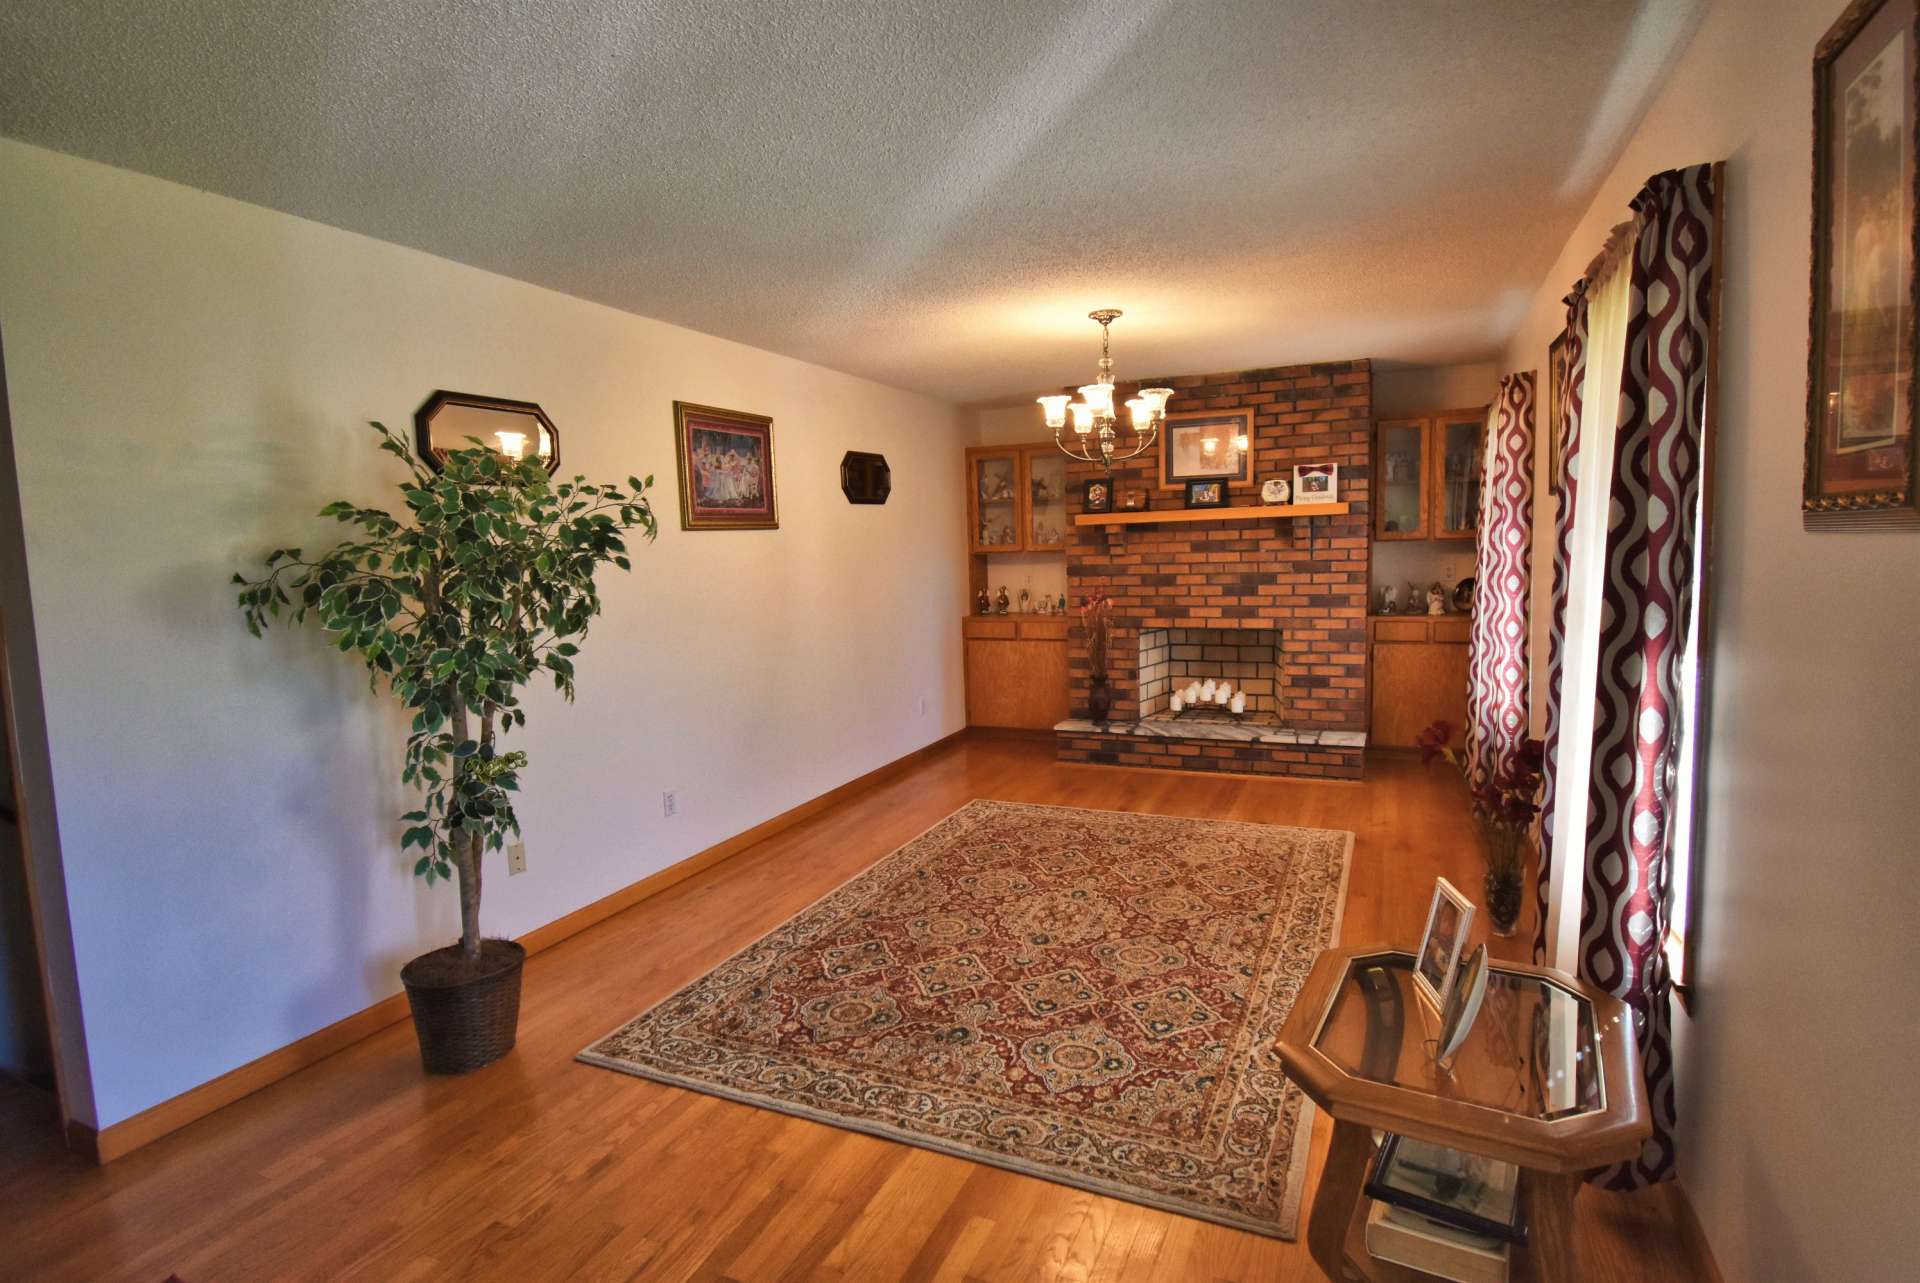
(1449, 919)
(1097, 495)
(1136, 499)
(1316, 483)
(1206, 494)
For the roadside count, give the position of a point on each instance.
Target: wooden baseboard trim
(170, 1115)
(1699, 1251)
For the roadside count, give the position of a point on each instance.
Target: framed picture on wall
(1860, 391)
(726, 468)
(1096, 495)
(1206, 445)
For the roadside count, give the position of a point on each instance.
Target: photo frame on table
(1096, 494)
(1435, 966)
(1316, 483)
(1184, 455)
(1464, 996)
(726, 468)
(1206, 494)
(1859, 467)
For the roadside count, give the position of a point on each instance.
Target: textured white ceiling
(932, 193)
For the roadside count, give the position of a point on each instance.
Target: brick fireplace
(1278, 606)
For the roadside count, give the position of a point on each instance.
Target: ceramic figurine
(1436, 599)
(1463, 594)
(983, 604)
(1003, 603)
(1389, 599)
(1414, 598)
(1026, 601)
(1063, 603)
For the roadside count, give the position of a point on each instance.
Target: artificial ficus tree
(485, 583)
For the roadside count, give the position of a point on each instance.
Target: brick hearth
(1227, 576)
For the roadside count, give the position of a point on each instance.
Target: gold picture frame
(726, 468)
(1183, 460)
(1861, 355)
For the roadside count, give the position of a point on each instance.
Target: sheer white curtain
(1609, 291)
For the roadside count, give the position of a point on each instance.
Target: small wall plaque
(865, 478)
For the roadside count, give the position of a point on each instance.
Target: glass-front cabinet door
(1046, 470)
(993, 500)
(1456, 473)
(1400, 462)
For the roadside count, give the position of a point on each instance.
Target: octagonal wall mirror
(865, 477)
(516, 429)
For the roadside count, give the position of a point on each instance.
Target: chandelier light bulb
(1082, 417)
(1056, 410)
(1100, 397)
(1141, 412)
(1157, 398)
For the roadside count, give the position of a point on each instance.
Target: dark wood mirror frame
(865, 477)
(441, 400)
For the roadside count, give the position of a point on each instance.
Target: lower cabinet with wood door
(1419, 676)
(1016, 670)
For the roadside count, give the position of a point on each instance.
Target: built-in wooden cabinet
(1016, 670)
(1016, 499)
(1418, 675)
(1427, 470)
(1457, 462)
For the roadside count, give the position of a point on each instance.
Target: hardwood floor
(542, 1168)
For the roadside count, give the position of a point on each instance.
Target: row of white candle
(1220, 694)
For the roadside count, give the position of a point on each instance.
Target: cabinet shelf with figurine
(1016, 499)
(1018, 525)
(1429, 475)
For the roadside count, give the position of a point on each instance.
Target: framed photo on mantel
(1860, 387)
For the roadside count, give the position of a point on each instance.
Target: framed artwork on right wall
(1860, 360)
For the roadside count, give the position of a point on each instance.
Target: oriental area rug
(1087, 996)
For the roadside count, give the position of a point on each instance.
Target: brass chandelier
(1094, 437)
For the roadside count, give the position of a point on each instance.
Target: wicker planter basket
(468, 1022)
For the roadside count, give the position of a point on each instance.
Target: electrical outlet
(669, 803)
(517, 858)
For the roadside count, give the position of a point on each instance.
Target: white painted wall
(1798, 1112)
(190, 378)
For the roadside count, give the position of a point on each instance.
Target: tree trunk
(467, 856)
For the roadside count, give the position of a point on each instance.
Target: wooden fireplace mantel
(1266, 512)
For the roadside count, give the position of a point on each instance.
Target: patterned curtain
(1497, 646)
(1647, 588)
(1563, 482)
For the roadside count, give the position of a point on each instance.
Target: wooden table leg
(1550, 1227)
(1340, 1184)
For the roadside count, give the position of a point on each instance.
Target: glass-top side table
(1532, 1051)
(1548, 1079)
